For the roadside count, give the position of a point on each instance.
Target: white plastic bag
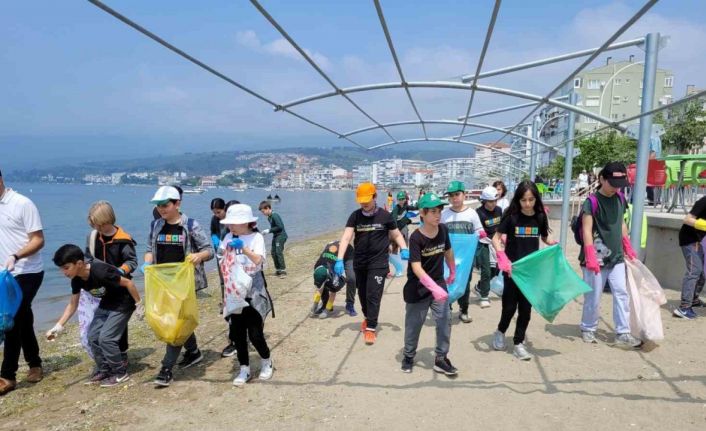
(237, 284)
(87, 306)
(497, 285)
(646, 296)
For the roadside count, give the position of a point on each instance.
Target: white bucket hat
(239, 214)
(164, 194)
(489, 193)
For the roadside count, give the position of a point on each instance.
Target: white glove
(10, 263)
(139, 310)
(265, 232)
(54, 332)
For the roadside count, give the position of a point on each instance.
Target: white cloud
(280, 47)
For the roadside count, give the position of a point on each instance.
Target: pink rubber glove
(551, 242)
(452, 274)
(589, 252)
(482, 234)
(504, 263)
(628, 251)
(439, 294)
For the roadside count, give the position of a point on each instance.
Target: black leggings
(371, 283)
(514, 300)
(248, 324)
(21, 337)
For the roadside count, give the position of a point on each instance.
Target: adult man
(21, 238)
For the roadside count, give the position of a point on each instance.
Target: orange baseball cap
(365, 193)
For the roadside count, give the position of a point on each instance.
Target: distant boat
(273, 199)
(240, 187)
(194, 191)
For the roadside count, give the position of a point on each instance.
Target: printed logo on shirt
(378, 279)
(526, 232)
(462, 227)
(492, 221)
(171, 239)
(368, 227)
(433, 251)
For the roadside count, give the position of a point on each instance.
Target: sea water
(64, 212)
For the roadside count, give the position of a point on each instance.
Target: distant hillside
(210, 163)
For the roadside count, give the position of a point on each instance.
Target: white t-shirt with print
(255, 242)
(465, 222)
(18, 218)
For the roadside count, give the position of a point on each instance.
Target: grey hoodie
(197, 241)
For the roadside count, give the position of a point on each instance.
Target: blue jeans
(693, 281)
(616, 276)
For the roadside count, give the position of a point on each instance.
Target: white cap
(239, 214)
(164, 194)
(489, 193)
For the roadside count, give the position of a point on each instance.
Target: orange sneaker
(370, 337)
(364, 325)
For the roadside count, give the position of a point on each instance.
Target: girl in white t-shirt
(245, 246)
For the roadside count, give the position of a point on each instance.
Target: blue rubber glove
(144, 265)
(216, 240)
(237, 244)
(404, 254)
(338, 268)
(411, 214)
(121, 271)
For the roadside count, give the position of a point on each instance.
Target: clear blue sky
(78, 84)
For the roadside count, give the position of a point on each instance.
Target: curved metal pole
(483, 51)
(475, 144)
(508, 108)
(456, 86)
(313, 64)
(383, 23)
(643, 10)
(211, 70)
(447, 122)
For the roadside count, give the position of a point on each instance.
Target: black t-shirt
(372, 239)
(688, 234)
(523, 233)
(171, 242)
(104, 282)
(430, 252)
(490, 219)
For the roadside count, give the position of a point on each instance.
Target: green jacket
(276, 225)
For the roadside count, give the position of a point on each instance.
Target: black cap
(616, 174)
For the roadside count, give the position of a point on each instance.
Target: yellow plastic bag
(170, 301)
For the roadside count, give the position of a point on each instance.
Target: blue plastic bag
(398, 263)
(10, 300)
(464, 247)
(497, 285)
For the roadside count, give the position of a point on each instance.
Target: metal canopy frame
(469, 83)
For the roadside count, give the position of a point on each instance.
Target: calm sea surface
(64, 210)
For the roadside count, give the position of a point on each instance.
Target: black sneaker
(407, 364)
(443, 365)
(229, 351)
(164, 378)
(191, 358)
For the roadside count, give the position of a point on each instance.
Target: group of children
(507, 232)
(105, 296)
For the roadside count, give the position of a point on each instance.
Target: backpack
(577, 220)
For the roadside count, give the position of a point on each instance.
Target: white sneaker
(465, 318)
(484, 303)
(243, 376)
(589, 337)
(266, 369)
(323, 314)
(499, 341)
(521, 353)
(627, 341)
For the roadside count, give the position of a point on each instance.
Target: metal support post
(568, 167)
(643, 143)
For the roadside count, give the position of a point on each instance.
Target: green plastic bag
(547, 281)
(170, 301)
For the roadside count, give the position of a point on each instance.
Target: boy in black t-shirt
(690, 236)
(489, 214)
(119, 299)
(373, 228)
(426, 288)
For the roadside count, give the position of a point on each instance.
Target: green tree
(686, 128)
(599, 149)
